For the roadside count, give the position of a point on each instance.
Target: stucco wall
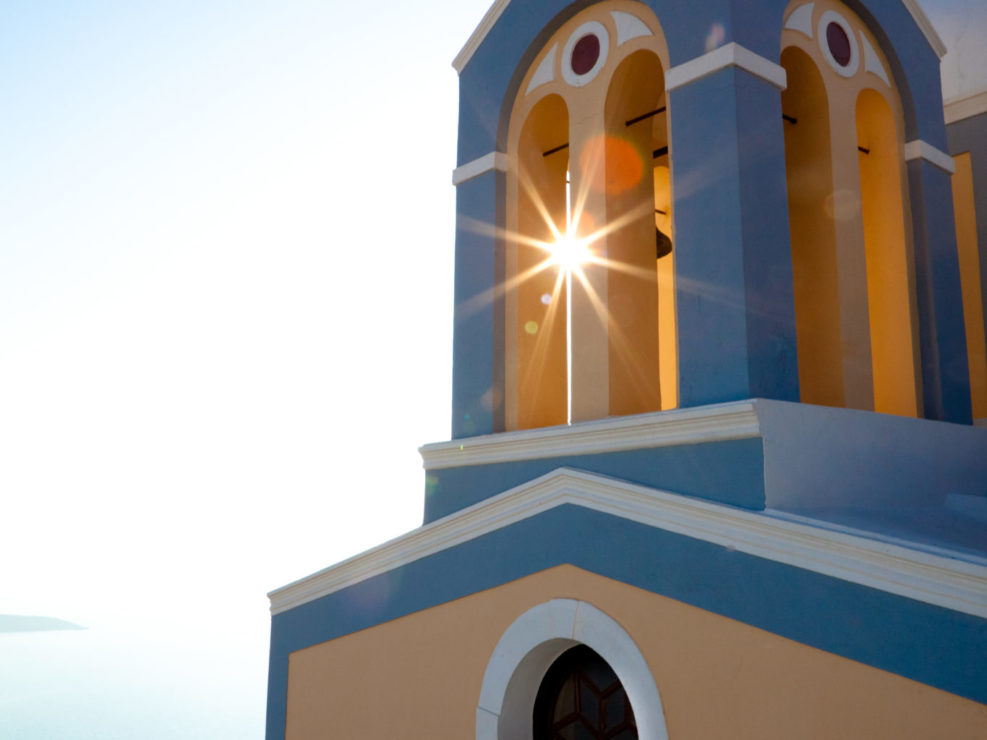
(420, 676)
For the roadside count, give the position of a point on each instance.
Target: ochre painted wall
(420, 676)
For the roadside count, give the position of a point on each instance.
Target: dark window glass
(581, 698)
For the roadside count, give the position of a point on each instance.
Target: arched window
(581, 697)
(588, 274)
(852, 260)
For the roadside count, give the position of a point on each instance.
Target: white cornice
(728, 55)
(966, 106)
(926, 27)
(960, 585)
(476, 38)
(918, 149)
(479, 166)
(737, 420)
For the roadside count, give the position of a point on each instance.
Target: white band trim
(714, 423)
(940, 579)
(729, 55)
(529, 647)
(966, 106)
(492, 161)
(919, 149)
(926, 27)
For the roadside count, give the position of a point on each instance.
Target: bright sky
(226, 234)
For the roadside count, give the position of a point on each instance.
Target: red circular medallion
(585, 53)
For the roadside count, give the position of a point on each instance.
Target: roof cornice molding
(925, 25)
(966, 106)
(497, 9)
(476, 38)
(715, 423)
(960, 585)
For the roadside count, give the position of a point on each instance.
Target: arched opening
(581, 697)
(809, 168)
(639, 261)
(540, 318)
(596, 337)
(856, 323)
(892, 349)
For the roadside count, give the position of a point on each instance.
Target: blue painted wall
(731, 472)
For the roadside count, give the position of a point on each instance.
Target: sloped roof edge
(939, 579)
(497, 9)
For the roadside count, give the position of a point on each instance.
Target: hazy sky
(226, 236)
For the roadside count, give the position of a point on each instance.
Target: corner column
(734, 287)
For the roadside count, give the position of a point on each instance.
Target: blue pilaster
(735, 304)
(942, 334)
(477, 368)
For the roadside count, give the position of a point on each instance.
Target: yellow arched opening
(641, 324)
(808, 160)
(540, 322)
(892, 349)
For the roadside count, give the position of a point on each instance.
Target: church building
(718, 465)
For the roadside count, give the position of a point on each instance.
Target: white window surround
(531, 644)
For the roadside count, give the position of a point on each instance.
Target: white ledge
(918, 149)
(960, 585)
(737, 420)
(479, 166)
(728, 55)
(966, 106)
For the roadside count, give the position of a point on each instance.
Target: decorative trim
(966, 106)
(872, 62)
(490, 18)
(481, 165)
(946, 581)
(531, 644)
(589, 27)
(800, 19)
(629, 26)
(714, 423)
(831, 16)
(497, 9)
(545, 72)
(925, 26)
(918, 149)
(728, 55)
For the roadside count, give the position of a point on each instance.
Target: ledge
(737, 420)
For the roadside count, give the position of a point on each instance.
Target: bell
(663, 245)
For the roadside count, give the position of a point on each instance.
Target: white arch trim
(532, 643)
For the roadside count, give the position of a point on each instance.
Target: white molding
(479, 166)
(728, 55)
(926, 27)
(954, 582)
(488, 21)
(919, 149)
(714, 423)
(872, 62)
(527, 650)
(965, 106)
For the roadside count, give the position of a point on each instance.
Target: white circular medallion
(838, 43)
(585, 53)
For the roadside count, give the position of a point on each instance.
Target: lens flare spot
(716, 36)
(610, 164)
(842, 205)
(531, 327)
(546, 299)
